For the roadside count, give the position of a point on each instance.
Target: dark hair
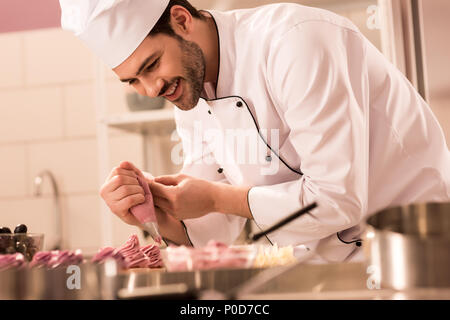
(163, 24)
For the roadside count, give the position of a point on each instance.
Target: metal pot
(409, 247)
(58, 284)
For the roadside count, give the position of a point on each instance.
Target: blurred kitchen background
(64, 115)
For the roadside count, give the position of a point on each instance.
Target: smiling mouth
(173, 92)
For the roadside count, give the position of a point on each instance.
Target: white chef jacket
(353, 134)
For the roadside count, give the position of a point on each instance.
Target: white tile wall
(79, 112)
(115, 97)
(54, 56)
(82, 221)
(31, 114)
(13, 171)
(109, 73)
(73, 162)
(11, 64)
(127, 147)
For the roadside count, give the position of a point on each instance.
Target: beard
(194, 66)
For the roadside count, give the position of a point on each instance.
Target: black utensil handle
(283, 222)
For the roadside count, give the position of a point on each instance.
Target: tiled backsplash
(48, 121)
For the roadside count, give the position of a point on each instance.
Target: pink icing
(214, 255)
(16, 260)
(130, 255)
(56, 258)
(153, 255)
(130, 251)
(145, 212)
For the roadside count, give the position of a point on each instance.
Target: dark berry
(5, 242)
(21, 228)
(5, 230)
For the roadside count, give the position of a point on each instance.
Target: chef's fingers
(117, 171)
(130, 219)
(160, 190)
(129, 166)
(162, 203)
(118, 181)
(127, 190)
(123, 206)
(168, 180)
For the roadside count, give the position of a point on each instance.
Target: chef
(277, 107)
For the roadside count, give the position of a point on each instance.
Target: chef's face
(166, 66)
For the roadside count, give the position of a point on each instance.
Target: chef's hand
(183, 197)
(122, 191)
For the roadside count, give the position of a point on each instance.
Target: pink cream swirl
(9, 261)
(56, 258)
(214, 255)
(131, 255)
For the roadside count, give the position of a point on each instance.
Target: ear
(181, 21)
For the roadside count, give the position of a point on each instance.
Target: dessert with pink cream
(9, 261)
(131, 255)
(214, 255)
(57, 258)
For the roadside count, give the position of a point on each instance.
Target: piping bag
(145, 212)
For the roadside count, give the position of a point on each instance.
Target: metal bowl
(409, 247)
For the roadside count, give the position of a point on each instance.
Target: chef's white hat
(113, 29)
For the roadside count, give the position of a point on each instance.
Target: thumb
(168, 180)
(130, 166)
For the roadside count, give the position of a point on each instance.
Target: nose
(152, 87)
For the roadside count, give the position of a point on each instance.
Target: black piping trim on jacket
(357, 242)
(227, 97)
(248, 203)
(186, 232)
(259, 132)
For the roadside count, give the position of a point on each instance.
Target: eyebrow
(141, 68)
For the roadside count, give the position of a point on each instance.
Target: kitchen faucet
(57, 204)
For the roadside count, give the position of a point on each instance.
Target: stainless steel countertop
(344, 281)
(302, 281)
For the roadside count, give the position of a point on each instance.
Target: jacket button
(239, 104)
(220, 170)
(209, 111)
(269, 158)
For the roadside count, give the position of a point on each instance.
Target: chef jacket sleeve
(199, 162)
(318, 80)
